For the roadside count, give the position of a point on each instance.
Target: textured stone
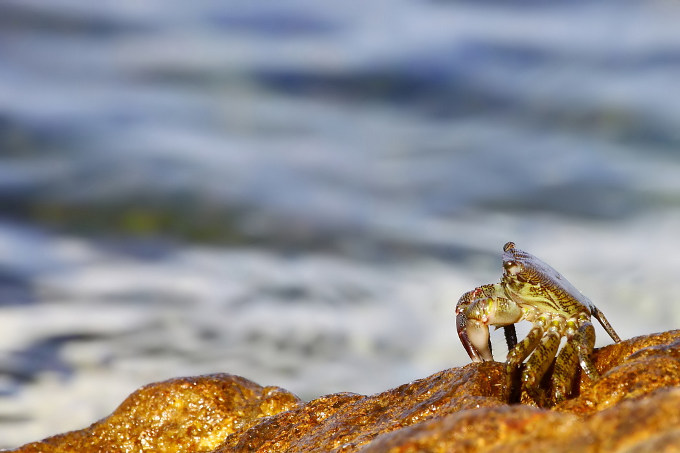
(632, 408)
(629, 369)
(344, 422)
(476, 430)
(179, 415)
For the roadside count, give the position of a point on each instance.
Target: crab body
(533, 291)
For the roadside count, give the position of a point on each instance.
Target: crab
(533, 291)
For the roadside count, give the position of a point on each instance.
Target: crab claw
(476, 311)
(473, 333)
(471, 345)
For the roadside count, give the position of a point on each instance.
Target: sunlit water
(329, 177)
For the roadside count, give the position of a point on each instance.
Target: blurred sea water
(298, 192)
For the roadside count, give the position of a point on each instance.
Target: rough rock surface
(182, 415)
(632, 408)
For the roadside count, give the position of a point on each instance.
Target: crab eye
(512, 267)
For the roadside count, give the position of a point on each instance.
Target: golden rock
(632, 407)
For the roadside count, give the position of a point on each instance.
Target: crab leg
(541, 359)
(563, 374)
(526, 346)
(608, 327)
(520, 352)
(585, 343)
(477, 309)
(510, 336)
(577, 349)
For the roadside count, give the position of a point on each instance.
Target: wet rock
(345, 422)
(179, 415)
(633, 407)
(477, 430)
(628, 370)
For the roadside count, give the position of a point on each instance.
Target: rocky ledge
(633, 407)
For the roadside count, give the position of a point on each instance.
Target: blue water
(298, 192)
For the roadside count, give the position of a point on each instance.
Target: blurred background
(298, 192)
